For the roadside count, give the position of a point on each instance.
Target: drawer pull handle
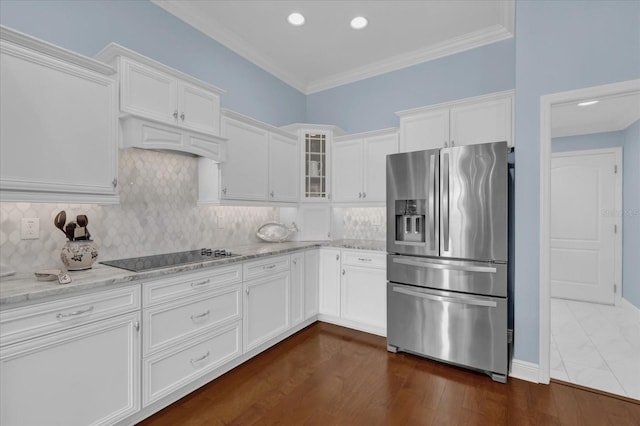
(200, 283)
(194, 361)
(364, 259)
(194, 318)
(75, 313)
(269, 266)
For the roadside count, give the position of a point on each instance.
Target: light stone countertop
(22, 289)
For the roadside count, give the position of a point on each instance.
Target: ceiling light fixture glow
(296, 19)
(587, 103)
(359, 22)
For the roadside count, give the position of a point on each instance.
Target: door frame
(546, 104)
(617, 244)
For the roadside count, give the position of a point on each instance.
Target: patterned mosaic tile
(157, 214)
(362, 223)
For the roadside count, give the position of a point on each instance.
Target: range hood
(137, 132)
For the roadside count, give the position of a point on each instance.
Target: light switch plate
(30, 228)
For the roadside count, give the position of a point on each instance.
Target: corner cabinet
(58, 136)
(261, 162)
(359, 166)
(482, 119)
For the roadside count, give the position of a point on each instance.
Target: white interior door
(584, 197)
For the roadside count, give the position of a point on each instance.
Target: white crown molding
(238, 45)
(455, 45)
(228, 39)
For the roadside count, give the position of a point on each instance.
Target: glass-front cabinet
(315, 166)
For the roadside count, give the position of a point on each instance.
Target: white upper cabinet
(151, 90)
(283, 168)
(58, 131)
(261, 161)
(465, 122)
(359, 166)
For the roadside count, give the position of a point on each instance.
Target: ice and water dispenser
(410, 220)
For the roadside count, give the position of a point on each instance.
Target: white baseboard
(524, 370)
(630, 308)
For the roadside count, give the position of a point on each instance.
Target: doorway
(582, 319)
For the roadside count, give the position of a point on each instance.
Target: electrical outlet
(30, 228)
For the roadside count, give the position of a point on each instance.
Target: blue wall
(631, 215)
(371, 104)
(584, 142)
(560, 46)
(88, 26)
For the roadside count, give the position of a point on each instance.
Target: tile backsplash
(365, 223)
(157, 214)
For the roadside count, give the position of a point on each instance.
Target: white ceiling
(611, 114)
(326, 52)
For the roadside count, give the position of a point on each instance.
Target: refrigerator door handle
(445, 202)
(430, 265)
(463, 301)
(432, 203)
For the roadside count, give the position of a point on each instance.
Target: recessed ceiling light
(359, 22)
(296, 19)
(587, 103)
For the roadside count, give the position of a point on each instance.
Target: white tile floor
(597, 346)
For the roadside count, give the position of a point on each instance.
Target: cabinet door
(481, 122)
(425, 131)
(315, 158)
(198, 109)
(148, 92)
(364, 296)
(315, 222)
(266, 308)
(58, 128)
(311, 280)
(245, 173)
(330, 282)
(347, 170)
(88, 375)
(297, 288)
(376, 150)
(283, 168)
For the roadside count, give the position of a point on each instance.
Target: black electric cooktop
(158, 261)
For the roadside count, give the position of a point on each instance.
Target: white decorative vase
(79, 255)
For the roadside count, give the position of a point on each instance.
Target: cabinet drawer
(260, 268)
(170, 370)
(364, 258)
(167, 324)
(169, 289)
(43, 318)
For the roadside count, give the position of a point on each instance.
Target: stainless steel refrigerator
(447, 224)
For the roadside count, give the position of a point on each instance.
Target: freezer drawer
(466, 330)
(452, 275)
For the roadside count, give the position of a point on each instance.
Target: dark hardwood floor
(329, 375)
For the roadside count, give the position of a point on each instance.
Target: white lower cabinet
(192, 325)
(87, 375)
(298, 289)
(329, 282)
(169, 370)
(353, 289)
(266, 308)
(311, 281)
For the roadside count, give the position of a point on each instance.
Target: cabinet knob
(182, 116)
(446, 144)
(114, 182)
(224, 190)
(344, 272)
(271, 194)
(247, 291)
(175, 114)
(453, 142)
(136, 325)
(364, 195)
(337, 257)
(295, 261)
